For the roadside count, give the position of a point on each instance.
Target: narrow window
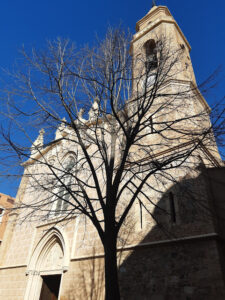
(151, 124)
(151, 55)
(1, 213)
(62, 203)
(141, 215)
(172, 208)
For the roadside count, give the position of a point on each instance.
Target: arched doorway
(47, 264)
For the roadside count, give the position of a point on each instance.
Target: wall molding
(212, 235)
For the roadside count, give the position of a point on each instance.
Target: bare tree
(144, 123)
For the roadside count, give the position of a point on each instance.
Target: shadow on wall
(86, 281)
(180, 258)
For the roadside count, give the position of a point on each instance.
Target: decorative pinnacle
(42, 131)
(153, 3)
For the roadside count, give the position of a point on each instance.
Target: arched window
(151, 55)
(61, 202)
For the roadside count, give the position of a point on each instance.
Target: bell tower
(158, 29)
(162, 69)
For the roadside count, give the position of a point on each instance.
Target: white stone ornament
(38, 143)
(60, 130)
(80, 119)
(94, 111)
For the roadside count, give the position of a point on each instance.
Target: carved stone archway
(50, 257)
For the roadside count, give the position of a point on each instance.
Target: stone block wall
(179, 271)
(12, 283)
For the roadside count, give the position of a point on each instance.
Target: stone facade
(188, 267)
(177, 255)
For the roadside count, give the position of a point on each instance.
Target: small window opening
(172, 208)
(1, 213)
(182, 46)
(151, 55)
(151, 124)
(141, 215)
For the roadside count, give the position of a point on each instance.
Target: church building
(171, 249)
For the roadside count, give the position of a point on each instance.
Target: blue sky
(30, 23)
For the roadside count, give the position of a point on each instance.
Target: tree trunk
(111, 275)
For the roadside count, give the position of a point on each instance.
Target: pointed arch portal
(46, 267)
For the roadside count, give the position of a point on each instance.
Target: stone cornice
(180, 146)
(151, 26)
(212, 235)
(32, 160)
(153, 11)
(207, 236)
(13, 266)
